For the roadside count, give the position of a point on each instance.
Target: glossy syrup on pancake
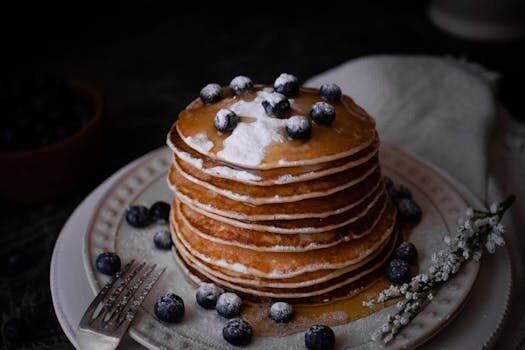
(273, 217)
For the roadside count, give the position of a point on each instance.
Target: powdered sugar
(199, 142)
(297, 123)
(195, 162)
(240, 84)
(285, 78)
(247, 143)
(221, 171)
(230, 173)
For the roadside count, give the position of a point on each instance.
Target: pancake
(324, 289)
(268, 216)
(279, 265)
(352, 131)
(268, 177)
(279, 193)
(306, 208)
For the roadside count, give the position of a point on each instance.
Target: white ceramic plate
(143, 182)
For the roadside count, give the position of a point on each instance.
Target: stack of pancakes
(271, 217)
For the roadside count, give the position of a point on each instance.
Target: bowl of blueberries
(49, 137)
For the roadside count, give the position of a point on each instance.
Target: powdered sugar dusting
(247, 143)
(230, 173)
(221, 171)
(199, 142)
(285, 78)
(195, 162)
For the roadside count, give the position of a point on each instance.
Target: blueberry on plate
(319, 337)
(160, 211)
(138, 216)
(281, 312)
(169, 308)
(298, 127)
(241, 84)
(207, 295)
(237, 332)
(399, 192)
(275, 104)
(406, 251)
(409, 210)
(323, 113)
(228, 305)
(286, 84)
(162, 239)
(397, 271)
(108, 263)
(225, 120)
(211, 93)
(330, 92)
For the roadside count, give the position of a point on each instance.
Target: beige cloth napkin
(431, 107)
(444, 111)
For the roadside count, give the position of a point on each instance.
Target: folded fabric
(435, 108)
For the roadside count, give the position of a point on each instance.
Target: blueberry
(323, 113)
(237, 332)
(207, 295)
(409, 210)
(169, 308)
(330, 92)
(211, 93)
(397, 271)
(229, 305)
(108, 263)
(162, 239)
(276, 104)
(281, 312)
(319, 337)
(160, 211)
(399, 192)
(138, 216)
(287, 85)
(241, 84)
(225, 120)
(406, 251)
(298, 127)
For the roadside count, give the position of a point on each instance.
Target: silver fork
(110, 314)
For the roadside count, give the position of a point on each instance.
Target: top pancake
(352, 131)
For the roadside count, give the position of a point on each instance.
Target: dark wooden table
(150, 59)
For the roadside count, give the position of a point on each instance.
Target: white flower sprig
(477, 229)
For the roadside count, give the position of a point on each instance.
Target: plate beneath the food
(143, 182)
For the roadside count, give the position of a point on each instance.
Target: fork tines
(119, 300)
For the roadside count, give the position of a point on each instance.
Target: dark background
(149, 59)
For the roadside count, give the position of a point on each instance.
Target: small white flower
(493, 220)
(499, 228)
(447, 240)
(430, 296)
(477, 255)
(469, 212)
(404, 320)
(408, 295)
(494, 208)
(388, 338)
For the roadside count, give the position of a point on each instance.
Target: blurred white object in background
(480, 19)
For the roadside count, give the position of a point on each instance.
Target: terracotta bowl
(47, 172)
